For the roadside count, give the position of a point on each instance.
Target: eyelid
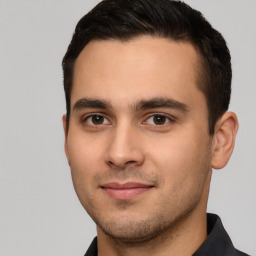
(90, 115)
(167, 116)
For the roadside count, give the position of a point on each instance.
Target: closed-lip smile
(125, 191)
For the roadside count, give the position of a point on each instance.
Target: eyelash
(86, 118)
(167, 119)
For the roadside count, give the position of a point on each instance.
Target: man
(147, 87)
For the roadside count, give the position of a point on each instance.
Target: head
(147, 87)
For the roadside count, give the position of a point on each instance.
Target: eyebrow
(160, 103)
(91, 103)
(140, 105)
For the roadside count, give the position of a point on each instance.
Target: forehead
(141, 67)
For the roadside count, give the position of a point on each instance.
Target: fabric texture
(217, 243)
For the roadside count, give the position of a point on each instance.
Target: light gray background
(39, 211)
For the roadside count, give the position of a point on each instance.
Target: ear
(64, 122)
(224, 139)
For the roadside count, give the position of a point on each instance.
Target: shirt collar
(218, 241)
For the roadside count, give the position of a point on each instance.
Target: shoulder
(93, 248)
(239, 253)
(218, 242)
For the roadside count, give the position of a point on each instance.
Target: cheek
(180, 157)
(183, 166)
(85, 155)
(84, 151)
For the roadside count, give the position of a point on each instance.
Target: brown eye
(97, 119)
(159, 120)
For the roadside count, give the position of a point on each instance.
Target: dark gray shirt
(217, 243)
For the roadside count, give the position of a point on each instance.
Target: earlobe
(64, 122)
(224, 139)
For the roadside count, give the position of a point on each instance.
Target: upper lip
(127, 185)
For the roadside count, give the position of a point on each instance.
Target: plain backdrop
(39, 211)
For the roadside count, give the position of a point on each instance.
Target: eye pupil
(97, 119)
(159, 120)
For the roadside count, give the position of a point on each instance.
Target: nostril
(123, 165)
(130, 162)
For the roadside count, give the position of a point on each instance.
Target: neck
(183, 239)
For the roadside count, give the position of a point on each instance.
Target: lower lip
(125, 194)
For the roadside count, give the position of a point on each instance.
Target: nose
(125, 148)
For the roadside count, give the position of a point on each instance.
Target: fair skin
(139, 147)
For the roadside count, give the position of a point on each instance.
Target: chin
(133, 231)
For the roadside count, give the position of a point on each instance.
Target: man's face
(138, 143)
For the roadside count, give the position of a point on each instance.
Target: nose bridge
(124, 146)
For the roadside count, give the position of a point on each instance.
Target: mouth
(125, 191)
